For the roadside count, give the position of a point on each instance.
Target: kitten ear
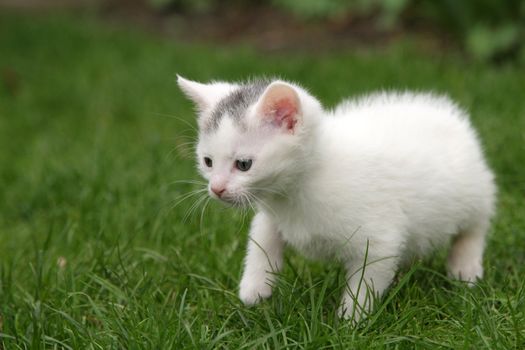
(203, 95)
(280, 105)
(194, 91)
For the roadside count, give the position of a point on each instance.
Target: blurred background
(485, 30)
(105, 238)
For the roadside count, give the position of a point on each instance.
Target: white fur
(372, 183)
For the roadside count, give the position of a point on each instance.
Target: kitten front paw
(346, 311)
(252, 292)
(353, 310)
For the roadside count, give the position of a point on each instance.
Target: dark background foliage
(485, 29)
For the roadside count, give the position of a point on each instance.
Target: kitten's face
(247, 139)
(244, 165)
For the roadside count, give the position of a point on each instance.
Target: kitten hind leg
(465, 260)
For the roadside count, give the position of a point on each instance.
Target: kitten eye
(243, 164)
(208, 162)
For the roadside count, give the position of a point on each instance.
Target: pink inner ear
(283, 112)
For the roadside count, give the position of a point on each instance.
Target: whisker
(186, 138)
(261, 202)
(244, 215)
(180, 148)
(192, 209)
(185, 196)
(194, 191)
(245, 195)
(171, 116)
(267, 190)
(202, 212)
(187, 134)
(186, 143)
(193, 182)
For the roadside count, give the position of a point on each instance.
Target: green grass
(94, 255)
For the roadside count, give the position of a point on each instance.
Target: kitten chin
(370, 183)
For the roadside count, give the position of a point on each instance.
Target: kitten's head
(254, 137)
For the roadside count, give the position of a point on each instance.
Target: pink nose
(218, 190)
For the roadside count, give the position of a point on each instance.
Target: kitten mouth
(232, 201)
(225, 199)
(241, 200)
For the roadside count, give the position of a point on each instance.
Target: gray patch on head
(236, 103)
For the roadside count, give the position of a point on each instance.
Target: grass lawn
(94, 253)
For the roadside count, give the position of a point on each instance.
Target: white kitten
(372, 183)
